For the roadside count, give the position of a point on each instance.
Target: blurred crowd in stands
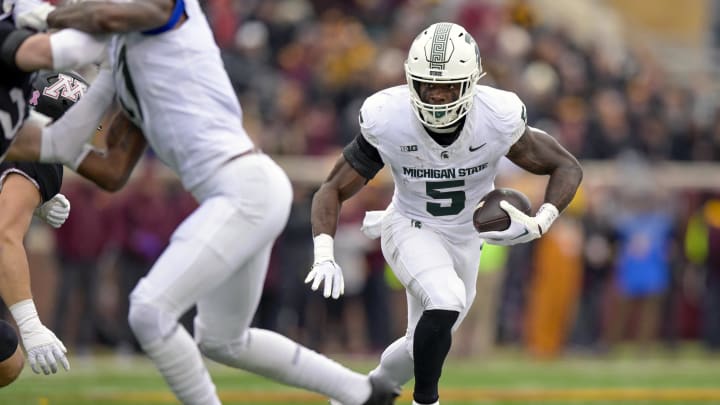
(639, 262)
(302, 68)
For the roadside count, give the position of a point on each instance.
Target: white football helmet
(443, 53)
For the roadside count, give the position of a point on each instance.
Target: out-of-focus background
(630, 270)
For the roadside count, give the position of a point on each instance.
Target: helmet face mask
(444, 53)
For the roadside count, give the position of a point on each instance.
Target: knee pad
(8, 340)
(445, 293)
(11, 365)
(149, 323)
(217, 348)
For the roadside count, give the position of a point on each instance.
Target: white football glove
(523, 228)
(55, 211)
(32, 14)
(326, 269)
(44, 349)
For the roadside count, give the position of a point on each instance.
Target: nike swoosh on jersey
(477, 147)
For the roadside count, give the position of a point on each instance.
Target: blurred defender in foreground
(443, 137)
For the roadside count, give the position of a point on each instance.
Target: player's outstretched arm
(108, 17)
(26, 51)
(111, 169)
(342, 183)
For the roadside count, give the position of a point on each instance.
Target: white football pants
(217, 259)
(218, 256)
(436, 274)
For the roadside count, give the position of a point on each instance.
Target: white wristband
(25, 313)
(545, 216)
(323, 248)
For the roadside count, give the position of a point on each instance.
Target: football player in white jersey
(442, 136)
(170, 80)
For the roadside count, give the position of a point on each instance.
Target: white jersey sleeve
(508, 114)
(371, 118)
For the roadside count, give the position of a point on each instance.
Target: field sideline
(505, 379)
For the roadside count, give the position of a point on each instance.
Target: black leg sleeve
(431, 345)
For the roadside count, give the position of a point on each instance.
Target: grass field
(687, 378)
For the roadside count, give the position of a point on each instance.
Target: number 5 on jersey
(439, 190)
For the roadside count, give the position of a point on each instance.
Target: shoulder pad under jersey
(506, 112)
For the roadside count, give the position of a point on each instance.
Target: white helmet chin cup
(443, 53)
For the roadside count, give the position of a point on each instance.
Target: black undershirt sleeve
(363, 157)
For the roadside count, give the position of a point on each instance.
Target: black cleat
(383, 392)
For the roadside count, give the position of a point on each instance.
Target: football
(488, 216)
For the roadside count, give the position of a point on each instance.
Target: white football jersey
(436, 185)
(175, 88)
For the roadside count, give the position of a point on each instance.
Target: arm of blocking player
(111, 169)
(63, 50)
(106, 17)
(65, 140)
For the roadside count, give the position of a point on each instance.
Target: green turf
(689, 378)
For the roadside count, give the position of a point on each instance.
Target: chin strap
(445, 130)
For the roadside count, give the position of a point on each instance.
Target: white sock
(276, 357)
(396, 364)
(178, 359)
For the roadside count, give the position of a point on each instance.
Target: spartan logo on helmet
(439, 47)
(443, 53)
